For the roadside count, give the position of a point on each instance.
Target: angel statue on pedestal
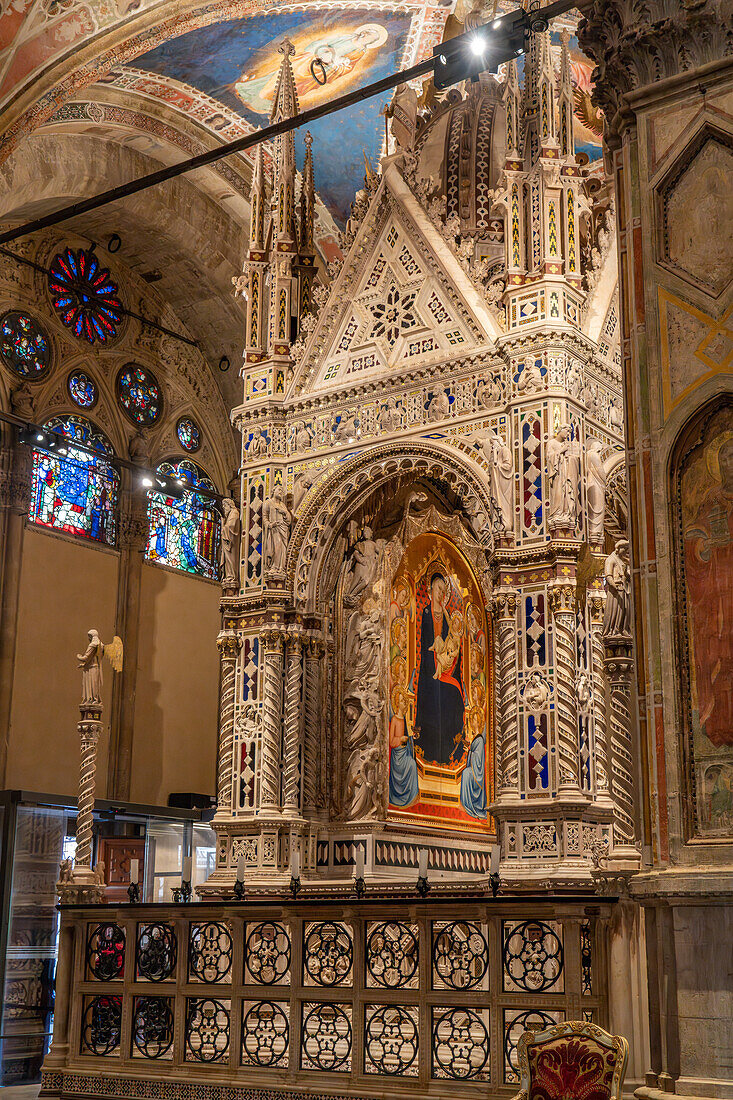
(90, 662)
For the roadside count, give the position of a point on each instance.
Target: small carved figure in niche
(390, 417)
(139, 449)
(562, 470)
(615, 416)
(574, 380)
(231, 527)
(362, 566)
(583, 692)
(501, 466)
(304, 481)
(99, 873)
(302, 438)
(21, 401)
(346, 431)
(439, 407)
(489, 393)
(364, 649)
(90, 662)
(277, 519)
(535, 692)
(616, 571)
(257, 444)
(531, 378)
(362, 709)
(596, 493)
(65, 870)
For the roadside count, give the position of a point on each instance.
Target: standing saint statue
(277, 529)
(562, 471)
(617, 616)
(231, 527)
(596, 492)
(90, 662)
(501, 465)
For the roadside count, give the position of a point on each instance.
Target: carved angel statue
(90, 662)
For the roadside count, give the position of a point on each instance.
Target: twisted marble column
(504, 609)
(312, 723)
(291, 753)
(229, 644)
(600, 716)
(619, 668)
(562, 601)
(272, 704)
(89, 728)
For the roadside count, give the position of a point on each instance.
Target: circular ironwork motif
(106, 952)
(460, 1043)
(392, 954)
(326, 1036)
(152, 1026)
(460, 954)
(533, 956)
(188, 434)
(207, 1030)
(523, 1021)
(82, 389)
(265, 1035)
(210, 952)
(391, 1041)
(139, 394)
(328, 953)
(267, 953)
(157, 951)
(100, 1026)
(24, 345)
(84, 295)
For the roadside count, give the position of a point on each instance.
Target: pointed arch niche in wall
(702, 473)
(440, 697)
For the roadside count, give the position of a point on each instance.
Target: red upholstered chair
(571, 1061)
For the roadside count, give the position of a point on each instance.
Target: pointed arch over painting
(441, 732)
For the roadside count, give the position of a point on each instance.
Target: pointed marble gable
(398, 303)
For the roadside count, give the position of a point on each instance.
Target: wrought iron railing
(369, 998)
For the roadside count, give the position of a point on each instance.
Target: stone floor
(20, 1092)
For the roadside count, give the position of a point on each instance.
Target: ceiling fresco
(236, 63)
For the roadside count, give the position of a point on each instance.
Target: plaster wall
(174, 748)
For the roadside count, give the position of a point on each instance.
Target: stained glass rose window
(84, 295)
(188, 433)
(24, 345)
(139, 394)
(82, 389)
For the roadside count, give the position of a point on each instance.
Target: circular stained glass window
(85, 295)
(139, 394)
(188, 434)
(24, 345)
(82, 389)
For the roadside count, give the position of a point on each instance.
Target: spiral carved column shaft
(312, 724)
(89, 730)
(505, 615)
(600, 715)
(291, 754)
(563, 597)
(228, 645)
(619, 667)
(271, 723)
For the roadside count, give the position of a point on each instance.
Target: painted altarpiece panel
(441, 733)
(705, 555)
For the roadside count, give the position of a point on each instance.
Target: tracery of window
(84, 295)
(24, 345)
(82, 389)
(184, 534)
(188, 434)
(139, 394)
(73, 490)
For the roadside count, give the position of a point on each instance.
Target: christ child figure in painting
(709, 570)
(440, 695)
(403, 780)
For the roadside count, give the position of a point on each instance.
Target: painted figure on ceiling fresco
(342, 52)
(709, 575)
(440, 698)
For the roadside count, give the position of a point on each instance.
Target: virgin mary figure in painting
(440, 695)
(709, 574)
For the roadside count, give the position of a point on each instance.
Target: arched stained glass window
(73, 490)
(24, 345)
(184, 533)
(139, 394)
(84, 295)
(82, 389)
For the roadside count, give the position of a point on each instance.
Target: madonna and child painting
(440, 765)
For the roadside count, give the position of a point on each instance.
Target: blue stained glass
(139, 394)
(82, 389)
(24, 345)
(84, 296)
(184, 534)
(76, 492)
(188, 434)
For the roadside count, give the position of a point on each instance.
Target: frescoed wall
(440, 690)
(237, 63)
(706, 501)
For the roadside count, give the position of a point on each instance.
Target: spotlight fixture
(147, 482)
(478, 45)
(467, 55)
